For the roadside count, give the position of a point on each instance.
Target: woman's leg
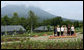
(61, 33)
(68, 33)
(65, 32)
(71, 32)
(54, 33)
(57, 33)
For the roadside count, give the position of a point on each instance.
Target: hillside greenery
(31, 22)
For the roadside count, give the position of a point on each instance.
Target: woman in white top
(58, 30)
(62, 30)
(65, 29)
(72, 30)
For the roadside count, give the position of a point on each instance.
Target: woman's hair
(64, 25)
(54, 26)
(68, 25)
(72, 25)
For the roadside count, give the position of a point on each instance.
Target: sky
(66, 9)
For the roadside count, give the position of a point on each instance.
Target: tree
(56, 21)
(76, 23)
(2, 21)
(53, 22)
(32, 20)
(47, 22)
(5, 20)
(15, 14)
(67, 22)
(15, 19)
(22, 21)
(81, 24)
(48, 27)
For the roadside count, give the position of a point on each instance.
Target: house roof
(42, 28)
(12, 28)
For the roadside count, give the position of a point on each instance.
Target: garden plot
(45, 38)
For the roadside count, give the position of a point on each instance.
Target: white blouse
(62, 29)
(72, 28)
(58, 29)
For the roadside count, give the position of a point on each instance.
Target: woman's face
(58, 25)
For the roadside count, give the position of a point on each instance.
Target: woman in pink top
(65, 29)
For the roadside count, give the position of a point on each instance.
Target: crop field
(27, 34)
(44, 45)
(41, 41)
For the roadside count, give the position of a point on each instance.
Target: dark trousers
(58, 34)
(54, 33)
(72, 32)
(68, 33)
(61, 33)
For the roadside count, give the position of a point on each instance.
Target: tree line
(31, 21)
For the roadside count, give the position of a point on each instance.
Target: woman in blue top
(55, 30)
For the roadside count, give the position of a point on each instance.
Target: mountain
(23, 11)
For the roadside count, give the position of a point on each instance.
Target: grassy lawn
(44, 45)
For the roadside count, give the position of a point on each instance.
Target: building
(42, 29)
(10, 29)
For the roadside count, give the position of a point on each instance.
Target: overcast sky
(66, 9)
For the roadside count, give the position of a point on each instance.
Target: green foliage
(45, 45)
(15, 19)
(27, 34)
(48, 27)
(76, 24)
(80, 29)
(5, 20)
(32, 21)
(54, 21)
(67, 22)
(6, 33)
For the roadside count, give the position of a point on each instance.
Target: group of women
(63, 30)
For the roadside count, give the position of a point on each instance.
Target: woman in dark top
(68, 30)
(55, 30)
